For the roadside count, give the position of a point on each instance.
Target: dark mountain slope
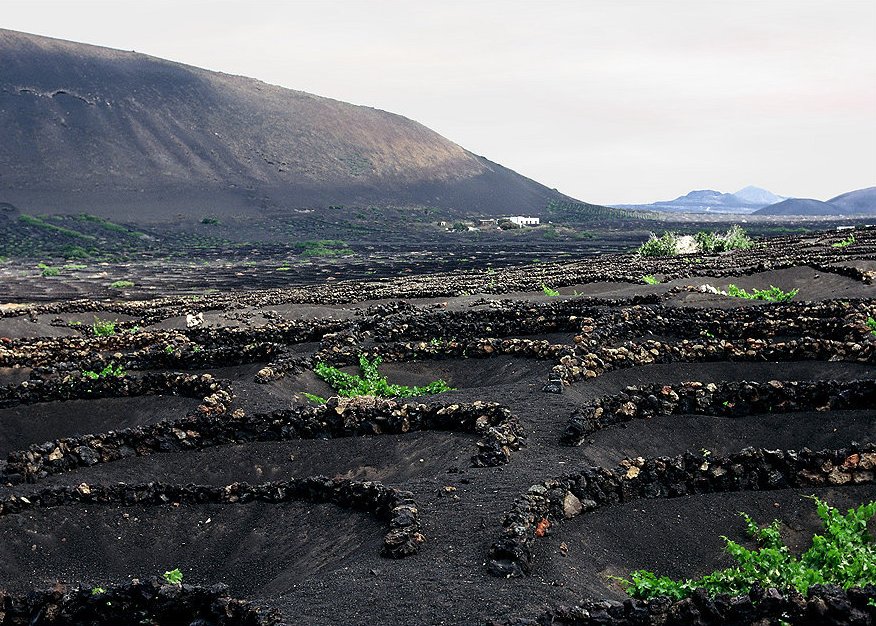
(802, 206)
(127, 135)
(860, 201)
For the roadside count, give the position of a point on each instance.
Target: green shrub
(103, 328)
(121, 284)
(48, 270)
(649, 279)
(210, 221)
(734, 239)
(110, 371)
(708, 242)
(371, 383)
(871, 324)
(845, 243)
(665, 245)
(773, 294)
(844, 555)
(313, 397)
(173, 577)
(548, 291)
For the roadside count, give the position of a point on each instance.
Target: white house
(520, 220)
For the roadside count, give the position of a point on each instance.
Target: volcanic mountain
(121, 134)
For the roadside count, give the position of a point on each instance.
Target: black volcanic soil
(320, 564)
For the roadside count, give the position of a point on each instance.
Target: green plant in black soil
(121, 284)
(96, 591)
(48, 270)
(734, 239)
(110, 371)
(549, 292)
(36, 222)
(844, 555)
(210, 221)
(323, 248)
(649, 279)
(664, 245)
(845, 243)
(773, 294)
(871, 324)
(314, 398)
(173, 577)
(371, 383)
(103, 328)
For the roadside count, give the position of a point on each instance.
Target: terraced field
(617, 426)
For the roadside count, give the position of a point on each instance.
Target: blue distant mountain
(746, 200)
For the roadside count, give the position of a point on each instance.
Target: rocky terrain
(618, 425)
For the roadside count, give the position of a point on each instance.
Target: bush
(548, 291)
(103, 328)
(737, 239)
(844, 555)
(773, 294)
(665, 245)
(845, 243)
(121, 284)
(734, 239)
(48, 270)
(649, 279)
(110, 371)
(371, 383)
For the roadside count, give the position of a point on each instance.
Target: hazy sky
(608, 101)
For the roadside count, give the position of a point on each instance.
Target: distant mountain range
(757, 201)
(129, 136)
(745, 200)
(858, 202)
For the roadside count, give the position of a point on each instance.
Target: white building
(520, 220)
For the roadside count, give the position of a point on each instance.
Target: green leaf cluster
(649, 279)
(549, 292)
(871, 324)
(173, 577)
(773, 294)
(103, 328)
(844, 555)
(110, 371)
(371, 383)
(845, 243)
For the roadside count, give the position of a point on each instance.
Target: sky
(609, 101)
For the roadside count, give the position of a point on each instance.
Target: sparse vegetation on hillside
(371, 383)
(37, 222)
(843, 555)
(121, 284)
(585, 212)
(323, 248)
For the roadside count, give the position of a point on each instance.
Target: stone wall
(724, 399)
(548, 503)
(500, 433)
(397, 508)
